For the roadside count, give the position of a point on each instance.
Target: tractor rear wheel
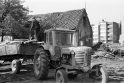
(61, 76)
(41, 64)
(16, 66)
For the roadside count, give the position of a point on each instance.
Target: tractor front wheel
(99, 73)
(61, 76)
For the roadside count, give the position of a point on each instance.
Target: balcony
(110, 38)
(110, 34)
(110, 30)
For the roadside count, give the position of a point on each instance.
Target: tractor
(62, 52)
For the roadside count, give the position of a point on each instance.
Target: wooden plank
(11, 49)
(2, 50)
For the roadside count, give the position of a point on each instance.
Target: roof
(68, 19)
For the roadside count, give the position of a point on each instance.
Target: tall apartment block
(96, 33)
(107, 32)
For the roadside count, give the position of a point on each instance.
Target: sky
(109, 10)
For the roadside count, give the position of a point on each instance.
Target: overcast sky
(110, 10)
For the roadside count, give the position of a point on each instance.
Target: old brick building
(74, 19)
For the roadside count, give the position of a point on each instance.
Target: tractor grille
(83, 58)
(79, 57)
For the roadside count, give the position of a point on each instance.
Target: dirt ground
(114, 67)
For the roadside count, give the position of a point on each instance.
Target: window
(64, 38)
(45, 37)
(84, 20)
(50, 38)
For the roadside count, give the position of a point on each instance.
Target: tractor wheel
(61, 76)
(100, 74)
(16, 66)
(41, 64)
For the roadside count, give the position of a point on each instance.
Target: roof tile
(68, 19)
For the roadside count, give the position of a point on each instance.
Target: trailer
(17, 51)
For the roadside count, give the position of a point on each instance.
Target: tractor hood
(68, 50)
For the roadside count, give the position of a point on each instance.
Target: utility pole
(85, 4)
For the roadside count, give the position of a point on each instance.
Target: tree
(12, 12)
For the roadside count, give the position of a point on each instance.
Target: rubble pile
(104, 54)
(115, 67)
(110, 51)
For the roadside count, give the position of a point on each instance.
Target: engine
(80, 56)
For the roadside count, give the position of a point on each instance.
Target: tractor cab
(60, 37)
(56, 39)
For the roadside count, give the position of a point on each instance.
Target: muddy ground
(115, 68)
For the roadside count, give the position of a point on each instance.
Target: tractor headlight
(72, 52)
